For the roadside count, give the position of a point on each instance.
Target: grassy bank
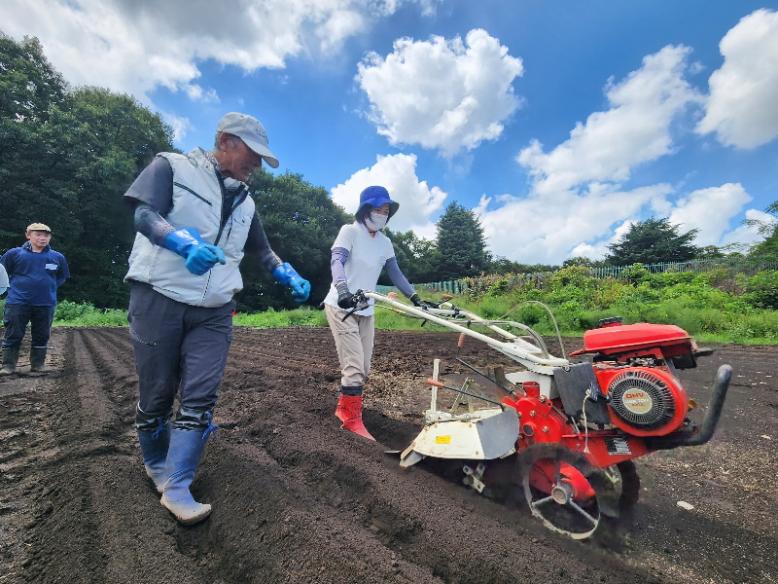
(714, 307)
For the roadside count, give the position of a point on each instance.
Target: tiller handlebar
(532, 355)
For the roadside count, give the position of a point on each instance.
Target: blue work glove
(199, 256)
(301, 288)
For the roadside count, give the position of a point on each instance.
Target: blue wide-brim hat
(376, 196)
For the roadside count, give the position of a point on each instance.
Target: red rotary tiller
(574, 427)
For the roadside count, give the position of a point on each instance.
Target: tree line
(68, 155)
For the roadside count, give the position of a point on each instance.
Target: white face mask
(377, 220)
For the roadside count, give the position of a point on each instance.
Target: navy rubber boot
(154, 446)
(10, 357)
(38, 360)
(183, 457)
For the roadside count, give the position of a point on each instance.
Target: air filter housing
(641, 399)
(644, 401)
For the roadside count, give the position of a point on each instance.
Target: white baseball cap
(251, 131)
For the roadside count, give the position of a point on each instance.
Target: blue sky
(560, 123)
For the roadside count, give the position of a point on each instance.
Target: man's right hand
(203, 257)
(199, 257)
(345, 297)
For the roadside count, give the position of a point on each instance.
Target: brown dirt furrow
(100, 520)
(296, 499)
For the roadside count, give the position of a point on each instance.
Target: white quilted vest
(197, 202)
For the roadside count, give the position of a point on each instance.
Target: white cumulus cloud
(418, 201)
(179, 124)
(742, 108)
(136, 47)
(538, 229)
(599, 249)
(636, 129)
(748, 235)
(446, 95)
(578, 203)
(709, 211)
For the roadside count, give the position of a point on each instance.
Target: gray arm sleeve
(151, 224)
(258, 244)
(337, 263)
(398, 278)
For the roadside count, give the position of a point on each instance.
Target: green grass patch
(281, 318)
(738, 310)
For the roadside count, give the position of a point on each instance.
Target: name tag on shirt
(52, 266)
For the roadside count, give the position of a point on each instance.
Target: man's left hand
(301, 288)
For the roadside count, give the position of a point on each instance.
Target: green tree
(579, 261)
(120, 139)
(501, 265)
(29, 85)
(36, 166)
(766, 250)
(65, 159)
(461, 245)
(653, 241)
(301, 222)
(416, 256)
(710, 252)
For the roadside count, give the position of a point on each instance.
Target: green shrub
(717, 306)
(283, 318)
(762, 289)
(666, 279)
(636, 274)
(71, 311)
(84, 314)
(576, 276)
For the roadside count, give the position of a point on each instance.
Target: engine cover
(629, 337)
(644, 401)
(623, 342)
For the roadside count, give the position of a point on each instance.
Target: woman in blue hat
(359, 254)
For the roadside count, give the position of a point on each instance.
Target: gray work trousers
(177, 346)
(354, 339)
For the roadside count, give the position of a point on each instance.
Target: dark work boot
(38, 360)
(10, 357)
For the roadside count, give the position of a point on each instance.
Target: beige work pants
(354, 340)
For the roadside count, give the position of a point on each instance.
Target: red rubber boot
(349, 411)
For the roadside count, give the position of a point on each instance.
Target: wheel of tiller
(615, 490)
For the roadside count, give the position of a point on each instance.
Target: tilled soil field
(296, 499)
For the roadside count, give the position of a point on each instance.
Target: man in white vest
(3, 280)
(194, 220)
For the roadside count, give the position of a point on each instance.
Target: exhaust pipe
(705, 432)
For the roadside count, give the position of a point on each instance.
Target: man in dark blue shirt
(35, 272)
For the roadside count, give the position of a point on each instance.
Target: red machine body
(623, 342)
(634, 369)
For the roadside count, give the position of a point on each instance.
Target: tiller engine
(568, 431)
